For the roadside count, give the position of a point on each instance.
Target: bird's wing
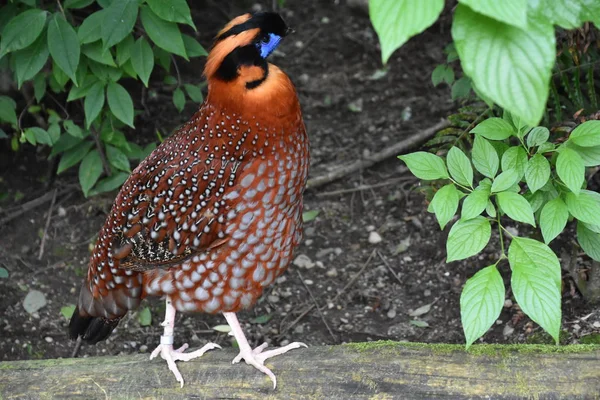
(174, 205)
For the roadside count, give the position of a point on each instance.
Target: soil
(399, 288)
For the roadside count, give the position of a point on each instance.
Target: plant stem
(458, 184)
(500, 227)
(105, 165)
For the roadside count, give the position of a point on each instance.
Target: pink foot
(167, 353)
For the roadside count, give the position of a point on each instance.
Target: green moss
(544, 338)
(593, 338)
(479, 349)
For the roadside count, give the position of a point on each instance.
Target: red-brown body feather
(213, 215)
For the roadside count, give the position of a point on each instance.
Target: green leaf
(467, 238)
(77, 3)
(461, 88)
(515, 158)
(90, 170)
(3, 273)
(553, 219)
(110, 183)
(459, 167)
(425, 165)
(94, 101)
(120, 103)
(310, 215)
(536, 282)
(537, 136)
(124, 49)
(7, 110)
(164, 34)
(117, 139)
(72, 129)
(39, 87)
(95, 52)
(585, 207)
(118, 22)
(437, 76)
(485, 158)
(91, 28)
(589, 155)
(492, 54)
(262, 319)
(73, 156)
(60, 78)
(589, 241)
(67, 311)
(64, 143)
(481, 302)
(192, 47)
(142, 59)
(77, 92)
(494, 129)
(510, 12)
(41, 136)
(505, 180)
(397, 21)
(179, 99)
(117, 158)
(536, 200)
(64, 45)
(194, 92)
(586, 134)
(144, 317)
(570, 169)
(54, 133)
(445, 204)
(568, 14)
(22, 30)
(31, 59)
(476, 201)
(537, 172)
(516, 207)
(173, 11)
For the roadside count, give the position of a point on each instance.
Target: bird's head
(241, 48)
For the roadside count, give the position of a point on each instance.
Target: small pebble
(374, 237)
(308, 282)
(332, 273)
(143, 348)
(427, 293)
(273, 298)
(508, 330)
(391, 314)
(508, 303)
(596, 324)
(303, 261)
(49, 339)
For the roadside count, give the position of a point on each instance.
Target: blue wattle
(268, 47)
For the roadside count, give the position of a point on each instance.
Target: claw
(170, 355)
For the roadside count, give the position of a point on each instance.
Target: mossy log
(379, 370)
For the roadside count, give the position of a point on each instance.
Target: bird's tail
(95, 318)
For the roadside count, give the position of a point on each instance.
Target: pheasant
(211, 217)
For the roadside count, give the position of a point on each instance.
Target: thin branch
(390, 151)
(47, 225)
(335, 339)
(370, 187)
(30, 205)
(105, 164)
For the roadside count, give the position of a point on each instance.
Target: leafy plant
(521, 176)
(493, 40)
(85, 51)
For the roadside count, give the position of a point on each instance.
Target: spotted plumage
(212, 216)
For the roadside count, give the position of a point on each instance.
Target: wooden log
(378, 370)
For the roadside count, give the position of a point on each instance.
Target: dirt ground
(399, 288)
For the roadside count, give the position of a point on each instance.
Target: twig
(176, 71)
(369, 187)
(391, 151)
(390, 268)
(348, 285)
(105, 165)
(47, 225)
(77, 347)
(33, 204)
(335, 339)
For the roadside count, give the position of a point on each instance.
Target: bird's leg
(255, 357)
(165, 348)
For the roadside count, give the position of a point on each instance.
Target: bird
(213, 215)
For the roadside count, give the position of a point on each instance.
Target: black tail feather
(91, 329)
